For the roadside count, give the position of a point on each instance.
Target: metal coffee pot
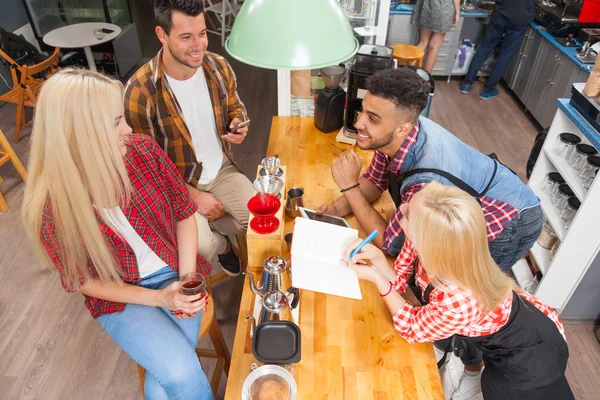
(275, 277)
(275, 307)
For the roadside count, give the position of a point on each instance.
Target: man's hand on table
(329, 209)
(239, 136)
(346, 170)
(207, 203)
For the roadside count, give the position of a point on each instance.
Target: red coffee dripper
(263, 207)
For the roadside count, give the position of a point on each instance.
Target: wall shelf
(541, 256)
(550, 212)
(570, 175)
(580, 243)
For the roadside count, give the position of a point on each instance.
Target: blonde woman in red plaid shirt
(466, 294)
(108, 209)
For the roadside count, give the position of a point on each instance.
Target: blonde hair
(75, 163)
(450, 237)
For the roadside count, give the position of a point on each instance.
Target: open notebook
(317, 250)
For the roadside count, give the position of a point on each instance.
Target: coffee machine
(329, 110)
(368, 60)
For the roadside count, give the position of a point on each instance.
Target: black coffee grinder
(368, 60)
(329, 111)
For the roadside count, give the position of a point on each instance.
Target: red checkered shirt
(159, 200)
(497, 213)
(451, 310)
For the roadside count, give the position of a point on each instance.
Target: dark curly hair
(403, 87)
(163, 11)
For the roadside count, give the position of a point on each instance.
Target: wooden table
(350, 349)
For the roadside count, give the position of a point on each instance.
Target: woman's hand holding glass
(182, 304)
(359, 264)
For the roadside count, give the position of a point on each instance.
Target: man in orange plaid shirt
(186, 99)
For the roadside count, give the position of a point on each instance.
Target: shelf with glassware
(569, 243)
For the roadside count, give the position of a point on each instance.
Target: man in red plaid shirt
(410, 151)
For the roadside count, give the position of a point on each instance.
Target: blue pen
(363, 244)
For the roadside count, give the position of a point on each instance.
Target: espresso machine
(566, 17)
(329, 110)
(368, 60)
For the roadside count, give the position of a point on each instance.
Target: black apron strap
(455, 181)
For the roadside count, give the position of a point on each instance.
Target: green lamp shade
(291, 34)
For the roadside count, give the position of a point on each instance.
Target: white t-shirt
(194, 99)
(148, 261)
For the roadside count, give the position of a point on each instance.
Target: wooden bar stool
(408, 54)
(208, 324)
(8, 154)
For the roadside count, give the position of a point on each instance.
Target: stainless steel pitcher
(294, 200)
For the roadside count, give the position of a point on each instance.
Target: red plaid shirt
(451, 310)
(159, 200)
(497, 213)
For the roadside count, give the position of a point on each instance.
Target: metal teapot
(275, 277)
(275, 307)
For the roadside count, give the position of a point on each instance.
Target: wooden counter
(350, 349)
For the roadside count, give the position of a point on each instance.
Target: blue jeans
(164, 346)
(517, 237)
(513, 36)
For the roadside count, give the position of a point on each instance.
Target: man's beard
(378, 144)
(180, 60)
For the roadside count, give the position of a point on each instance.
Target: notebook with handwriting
(317, 250)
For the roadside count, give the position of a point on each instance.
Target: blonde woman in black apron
(466, 295)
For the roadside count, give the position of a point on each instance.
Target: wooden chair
(241, 251)
(408, 54)
(210, 325)
(8, 154)
(25, 86)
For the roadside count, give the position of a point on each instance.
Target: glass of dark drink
(192, 284)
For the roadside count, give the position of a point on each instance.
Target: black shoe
(230, 261)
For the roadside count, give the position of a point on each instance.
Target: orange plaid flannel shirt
(152, 108)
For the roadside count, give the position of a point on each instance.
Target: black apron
(525, 359)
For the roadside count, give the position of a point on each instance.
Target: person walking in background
(434, 18)
(510, 19)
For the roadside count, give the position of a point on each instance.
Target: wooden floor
(50, 347)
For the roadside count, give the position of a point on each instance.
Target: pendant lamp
(291, 34)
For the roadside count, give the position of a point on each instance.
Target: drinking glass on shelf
(551, 182)
(562, 194)
(192, 284)
(589, 171)
(295, 110)
(565, 144)
(569, 210)
(99, 34)
(578, 157)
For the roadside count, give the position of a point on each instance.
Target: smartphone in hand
(240, 125)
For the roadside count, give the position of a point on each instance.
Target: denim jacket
(437, 148)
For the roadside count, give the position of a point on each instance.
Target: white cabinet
(580, 242)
